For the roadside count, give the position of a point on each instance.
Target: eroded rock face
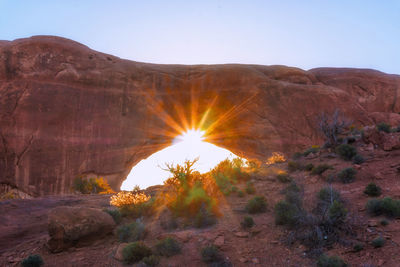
(77, 226)
(66, 110)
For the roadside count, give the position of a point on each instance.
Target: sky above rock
(305, 34)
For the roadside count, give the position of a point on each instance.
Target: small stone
(243, 260)
(356, 166)
(242, 234)
(219, 241)
(381, 262)
(118, 254)
(255, 261)
(372, 223)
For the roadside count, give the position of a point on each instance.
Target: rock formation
(66, 110)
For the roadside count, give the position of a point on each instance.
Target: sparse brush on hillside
(315, 230)
(168, 247)
(92, 186)
(372, 190)
(32, 261)
(131, 232)
(346, 152)
(332, 126)
(386, 206)
(384, 127)
(135, 252)
(320, 169)
(257, 204)
(347, 175)
(330, 261)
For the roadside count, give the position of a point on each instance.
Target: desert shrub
(384, 222)
(211, 254)
(286, 213)
(358, 159)
(250, 189)
(134, 204)
(283, 177)
(308, 167)
(204, 218)
(320, 169)
(313, 149)
(345, 151)
(151, 260)
(234, 189)
(131, 232)
(337, 212)
(32, 261)
(293, 166)
(372, 190)
(168, 247)
(240, 193)
(331, 126)
(383, 127)
(247, 222)
(378, 242)
(115, 214)
(330, 261)
(91, 186)
(328, 194)
(387, 206)
(257, 204)
(347, 175)
(276, 157)
(297, 155)
(223, 183)
(135, 252)
(358, 247)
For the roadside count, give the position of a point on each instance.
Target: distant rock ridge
(67, 110)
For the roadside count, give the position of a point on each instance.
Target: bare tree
(331, 126)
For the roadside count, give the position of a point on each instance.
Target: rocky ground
(24, 223)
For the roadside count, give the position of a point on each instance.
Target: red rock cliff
(66, 110)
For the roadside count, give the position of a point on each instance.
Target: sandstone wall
(66, 110)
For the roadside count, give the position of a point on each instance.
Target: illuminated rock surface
(66, 110)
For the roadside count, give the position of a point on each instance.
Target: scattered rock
(219, 241)
(77, 226)
(242, 234)
(118, 252)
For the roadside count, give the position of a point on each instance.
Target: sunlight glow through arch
(187, 146)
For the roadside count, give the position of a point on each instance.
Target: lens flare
(189, 145)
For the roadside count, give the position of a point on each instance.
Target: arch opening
(190, 145)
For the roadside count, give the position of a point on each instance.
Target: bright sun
(187, 146)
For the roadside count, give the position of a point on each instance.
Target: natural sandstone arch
(66, 110)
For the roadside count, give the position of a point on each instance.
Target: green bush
(240, 193)
(297, 155)
(211, 254)
(311, 150)
(373, 190)
(387, 206)
(330, 261)
(320, 169)
(378, 242)
(358, 247)
(345, 151)
(293, 166)
(168, 247)
(250, 189)
(151, 260)
(308, 167)
(347, 175)
(247, 222)
(257, 204)
(135, 252)
(358, 159)
(91, 185)
(33, 261)
(384, 222)
(383, 127)
(115, 214)
(131, 232)
(329, 195)
(337, 212)
(204, 218)
(283, 177)
(286, 213)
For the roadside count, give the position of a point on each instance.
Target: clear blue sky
(301, 33)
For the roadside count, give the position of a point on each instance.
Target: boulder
(77, 226)
(386, 141)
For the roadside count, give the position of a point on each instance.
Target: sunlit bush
(92, 186)
(124, 198)
(276, 158)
